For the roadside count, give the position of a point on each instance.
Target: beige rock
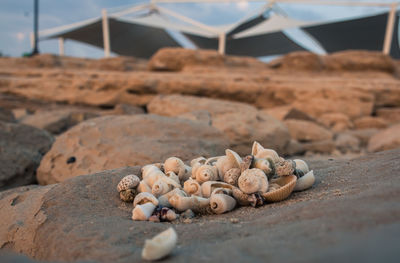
(335, 121)
(298, 61)
(278, 113)
(363, 135)
(296, 114)
(391, 115)
(347, 143)
(385, 140)
(369, 122)
(306, 131)
(242, 124)
(116, 141)
(323, 147)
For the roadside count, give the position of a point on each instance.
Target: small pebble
(234, 220)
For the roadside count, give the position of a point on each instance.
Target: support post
(221, 43)
(35, 27)
(61, 45)
(106, 34)
(389, 29)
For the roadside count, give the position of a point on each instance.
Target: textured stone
(115, 141)
(347, 143)
(306, 131)
(385, 140)
(21, 149)
(369, 122)
(391, 115)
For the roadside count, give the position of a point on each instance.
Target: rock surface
(6, 115)
(350, 214)
(385, 140)
(242, 124)
(306, 131)
(21, 149)
(116, 141)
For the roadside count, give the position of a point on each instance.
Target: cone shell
(286, 183)
(208, 187)
(221, 203)
(204, 173)
(142, 212)
(305, 181)
(128, 182)
(192, 187)
(160, 246)
(252, 181)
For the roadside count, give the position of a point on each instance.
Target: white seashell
(192, 187)
(149, 169)
(208, 187)
(221, 203)
(305, 181)
(173, 176)
(221, 190)
(227, 162)
(253, 181)
(152, 176)
(198, 161)
(182, 203)
(163, 200)
(143, 187)
(260, 152)
(204, 173)
(143, 198)
(302, 166)
(177, 166)
(142, 212)
(264, 165)
(163, 186)
(231, 176)
(160, 246)
(213, 160)
(128, 182)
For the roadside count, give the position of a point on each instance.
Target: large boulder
(241, 123)
(385, 140)
(116, 141)
(352, 206)
(177, 59)
(307, 131)
(21, 149)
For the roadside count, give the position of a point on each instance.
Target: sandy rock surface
(21, 149)
(385, 140)
(116, 141)
(350, 214)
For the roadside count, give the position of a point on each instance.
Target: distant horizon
(17, 16)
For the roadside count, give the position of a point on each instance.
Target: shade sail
(363, 33)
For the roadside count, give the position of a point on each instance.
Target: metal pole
(222, 44)
(35, 27)
(389, 29)
(106, 34)
(61, 45)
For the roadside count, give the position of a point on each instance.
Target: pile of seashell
(215, 185)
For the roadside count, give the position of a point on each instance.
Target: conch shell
(192, 187)
(195, 203)
(260, 152)
(221, 203)
(204, 173)
(253, 181)
(208, 187)
(160, 246)
(286, 183)
(305, 182)
(177, 166)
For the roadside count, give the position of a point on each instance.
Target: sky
(16, 18)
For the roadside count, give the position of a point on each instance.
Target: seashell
(163, 200)
(221, 203)
(286, 183)
(252, 181)
(231, 176)
(128, 182)
(153, 176)
(173, 176)
(245, 199)
(149, 169)
(221, 190)
(302, 166)
(266, 165)
(285, 168)
(198, 161)
(227, 162)
(143, 187)
(246, 163)
(143, 198)
(204, 173)
(160, 246)
(260, 152)
(163, 186)
(213, 160)
(305, 181)
(164, 214)
(128, 195)
(208, 187)
(142, 212)
(177, 166)
(192, 187)
(182, 203)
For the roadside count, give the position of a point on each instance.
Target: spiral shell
(192, 187)
(205, 173)
(252, 181)
(221, 203)
(163, 186)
